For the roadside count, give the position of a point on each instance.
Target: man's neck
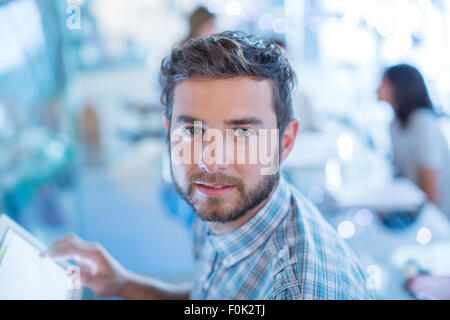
(220, 228)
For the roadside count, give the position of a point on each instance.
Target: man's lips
(213, 189)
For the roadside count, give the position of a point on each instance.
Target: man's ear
(288, 139)
(166, 121)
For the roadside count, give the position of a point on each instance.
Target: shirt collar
(240, 243)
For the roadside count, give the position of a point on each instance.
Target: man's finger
(95, 283)
(69, 239)
(70, 250)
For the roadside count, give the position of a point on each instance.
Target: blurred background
(83, 142)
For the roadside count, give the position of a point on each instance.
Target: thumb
(94, 282)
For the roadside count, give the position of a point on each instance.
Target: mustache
(216, 178)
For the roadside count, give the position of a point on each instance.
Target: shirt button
(283, 252)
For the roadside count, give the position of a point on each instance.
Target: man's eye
(194, 131)
(242, 132)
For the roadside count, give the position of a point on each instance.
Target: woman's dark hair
(409, 90)
(199, 17)
(226, 55)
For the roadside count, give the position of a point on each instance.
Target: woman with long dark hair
(420, 150)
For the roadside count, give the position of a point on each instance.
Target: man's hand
(106, 277)
(99, 270)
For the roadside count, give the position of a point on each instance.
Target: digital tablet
(25, 275)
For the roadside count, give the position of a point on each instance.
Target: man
(256, 236)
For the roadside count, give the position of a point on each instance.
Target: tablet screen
(25, 275)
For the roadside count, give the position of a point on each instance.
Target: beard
(221, 210)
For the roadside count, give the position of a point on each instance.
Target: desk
(380, 248)
(377, 245)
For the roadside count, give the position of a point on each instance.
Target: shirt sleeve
(394, 149)
(427, 136)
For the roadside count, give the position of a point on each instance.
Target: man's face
(223, 189)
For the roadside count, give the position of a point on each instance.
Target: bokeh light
(346, 229)
(423, 235)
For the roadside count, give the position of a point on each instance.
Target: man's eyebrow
(232, 122)
(186, 119)
(244, 121)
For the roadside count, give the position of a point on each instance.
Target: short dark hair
(409, 90)
(229, 54)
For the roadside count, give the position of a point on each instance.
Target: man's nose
(213, 157)
(212, 167)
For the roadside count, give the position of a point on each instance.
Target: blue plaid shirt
(286, 251)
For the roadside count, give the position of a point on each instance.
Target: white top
(422, 145)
